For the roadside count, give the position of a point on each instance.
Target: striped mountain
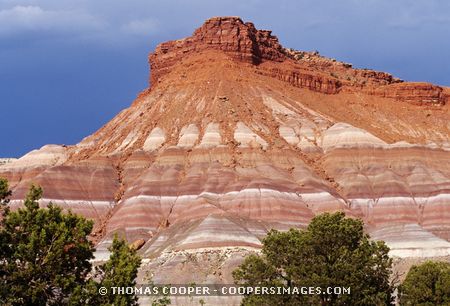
(237, 135)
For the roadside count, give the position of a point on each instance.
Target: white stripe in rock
(212, 136)
(188, 136)
(155, 139)
(247, 138)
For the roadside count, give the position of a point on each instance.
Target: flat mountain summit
(237, 135)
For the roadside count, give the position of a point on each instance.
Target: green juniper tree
(119, 271)
(426, 285)
(45, 257)
(5, 193)
(44, 253)
(333, 251)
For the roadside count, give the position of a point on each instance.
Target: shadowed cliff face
(238, 135)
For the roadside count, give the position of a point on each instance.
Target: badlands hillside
(236, 135)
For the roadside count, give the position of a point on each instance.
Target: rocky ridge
(309, 70)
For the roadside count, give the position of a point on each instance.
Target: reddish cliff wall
(412, 92)
(243, 42)
(228, 34)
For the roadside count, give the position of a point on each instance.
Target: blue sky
(68, 66)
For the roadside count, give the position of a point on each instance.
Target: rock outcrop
(413, 92)
(227, 34)
(238, 135)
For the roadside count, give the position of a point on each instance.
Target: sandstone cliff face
(243, 42)
(238, 135)
(415, 93)
(301, 79)
(230, 35)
